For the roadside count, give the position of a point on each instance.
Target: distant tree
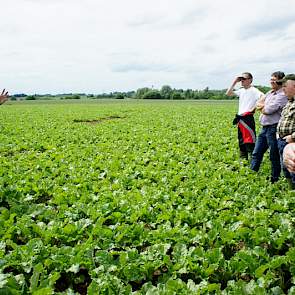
(196, 94)
(166, 92)
(152, 94)
(264, 89)
(20, 95)
(140, 92)
(189, 94)
(30, 97)
(130, 93)
(119, 96)
(176, 95)
(207, 94)
(74, 96)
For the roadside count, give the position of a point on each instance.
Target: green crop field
(137, 197)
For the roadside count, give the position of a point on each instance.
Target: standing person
(3, 96)
(286, 125)
(248, 96)
(271, 108)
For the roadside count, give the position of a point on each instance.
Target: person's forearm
(230, 91)
(259, 106)
(268, 110)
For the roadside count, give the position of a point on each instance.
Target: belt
(271, 125)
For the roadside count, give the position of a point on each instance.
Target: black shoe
(274, 180)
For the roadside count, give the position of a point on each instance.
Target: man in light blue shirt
(271, 108)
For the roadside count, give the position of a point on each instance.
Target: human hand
(4, 96)
(237, 79)
(289, 157)
(259, 106)
(288, 138)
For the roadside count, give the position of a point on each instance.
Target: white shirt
(247, 98)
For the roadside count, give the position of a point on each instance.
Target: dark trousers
(246, 148)
(267, 139)
(281, 145)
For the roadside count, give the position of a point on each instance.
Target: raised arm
(230, 90)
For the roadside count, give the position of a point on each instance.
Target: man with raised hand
(248, 96)
(270, 108)
(3, 96)
(286, 125)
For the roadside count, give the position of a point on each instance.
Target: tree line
(166, 92)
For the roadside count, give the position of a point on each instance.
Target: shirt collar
(277, 91)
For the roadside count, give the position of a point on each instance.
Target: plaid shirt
(286, 125)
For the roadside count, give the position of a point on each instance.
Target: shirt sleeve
(275, 105)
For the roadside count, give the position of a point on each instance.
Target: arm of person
(274, 106)
(290, 138)
(260, 103)
(230, 90)
(260, 98)
(4, 96)
(289, 157)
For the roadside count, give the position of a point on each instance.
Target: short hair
(279, 75)
(249, 75)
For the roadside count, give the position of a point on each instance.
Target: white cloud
(97, 45)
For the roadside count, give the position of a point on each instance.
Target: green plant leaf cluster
(137, 197)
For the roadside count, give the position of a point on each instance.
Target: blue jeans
(267, 139)
(281, 144)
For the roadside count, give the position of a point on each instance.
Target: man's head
(246, 79)
(289, 85)
(275, 79)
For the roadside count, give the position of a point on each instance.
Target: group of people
(277, 119)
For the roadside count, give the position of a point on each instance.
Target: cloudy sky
(95, 46)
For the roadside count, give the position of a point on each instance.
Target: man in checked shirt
(286, 125)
